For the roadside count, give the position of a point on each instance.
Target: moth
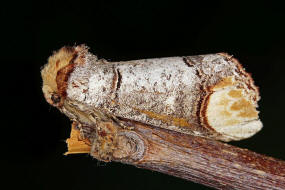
(211, 95)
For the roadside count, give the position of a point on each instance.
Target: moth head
(55, 74)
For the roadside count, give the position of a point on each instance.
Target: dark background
(34, 133)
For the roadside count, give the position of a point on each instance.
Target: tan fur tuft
(56, 72)
(57, 61)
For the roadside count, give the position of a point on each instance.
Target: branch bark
(197, 159)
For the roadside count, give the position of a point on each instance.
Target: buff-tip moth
(211, 96)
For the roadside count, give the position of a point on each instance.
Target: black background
(34, 133)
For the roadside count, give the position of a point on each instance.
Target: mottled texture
(172, 93)
(208, 162)
(193, 158)
(156, 113)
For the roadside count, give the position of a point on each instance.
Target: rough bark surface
(193, 158)
(208, 162)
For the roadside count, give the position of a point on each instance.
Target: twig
(197, 159)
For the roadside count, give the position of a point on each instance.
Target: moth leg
(104, 144)
(101, 135)
(87, 133)
(121, 124)
(76, 143)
